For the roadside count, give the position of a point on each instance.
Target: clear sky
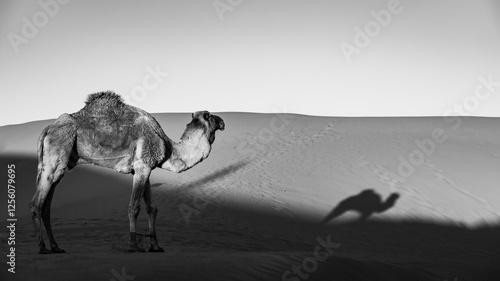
(253, 56)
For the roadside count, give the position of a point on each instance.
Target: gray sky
(257, 56)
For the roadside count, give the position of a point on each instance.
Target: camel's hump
(107, 99)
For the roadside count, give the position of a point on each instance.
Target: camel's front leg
(141, 176)
(152, 211)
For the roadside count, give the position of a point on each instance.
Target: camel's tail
(40, 153)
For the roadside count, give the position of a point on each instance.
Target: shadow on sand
(365, 203)
(256, 243)
(216, 175)
(83, 182)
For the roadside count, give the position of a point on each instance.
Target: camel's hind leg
(141, 177)
(55, 155)
(152, 211)
(40, 205)
(46, 220)
(36, 210)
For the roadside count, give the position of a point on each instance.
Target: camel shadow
(366, 203)
(220, 173)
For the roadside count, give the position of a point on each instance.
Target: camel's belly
(107, 146)
(122, 165)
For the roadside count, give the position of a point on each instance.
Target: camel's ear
(206, 114)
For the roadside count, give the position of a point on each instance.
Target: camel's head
(211, 123)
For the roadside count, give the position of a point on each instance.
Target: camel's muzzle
(222, 126)
(217, 123)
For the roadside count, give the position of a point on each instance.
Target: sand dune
(280, 192)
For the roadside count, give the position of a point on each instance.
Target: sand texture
(281, 197)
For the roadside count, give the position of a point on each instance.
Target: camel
(110, 133)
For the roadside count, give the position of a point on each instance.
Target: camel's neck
(191, 150)
(389, 203)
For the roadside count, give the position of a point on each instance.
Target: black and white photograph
(250, 140)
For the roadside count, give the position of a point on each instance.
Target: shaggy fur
(102, 100)
(116, 125)
(109, 133)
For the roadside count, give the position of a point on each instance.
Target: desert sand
(281, 197)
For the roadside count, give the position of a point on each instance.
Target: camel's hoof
(158, 250)
(45, 251)
(57, 250)
(133, 249)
